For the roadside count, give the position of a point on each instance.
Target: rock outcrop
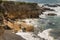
(21, 9)
(52, 14)
(8, 35)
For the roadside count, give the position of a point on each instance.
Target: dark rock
(51, 5)
(58, 4)
(48, 9)
(7, 28)
(51, 14)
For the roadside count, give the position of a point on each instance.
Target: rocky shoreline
(20, 16)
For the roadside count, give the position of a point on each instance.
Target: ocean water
(41, 1)
(52, 24)
(38, 1)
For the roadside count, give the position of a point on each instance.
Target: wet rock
(51, 5)
(45, 9)
(51, 14)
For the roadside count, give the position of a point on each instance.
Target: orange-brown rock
(13, 26)
(22, 26)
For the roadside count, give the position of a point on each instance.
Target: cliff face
(21, 9)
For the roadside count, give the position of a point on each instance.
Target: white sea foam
(57, 11)
(45, 34)
(27, 35)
